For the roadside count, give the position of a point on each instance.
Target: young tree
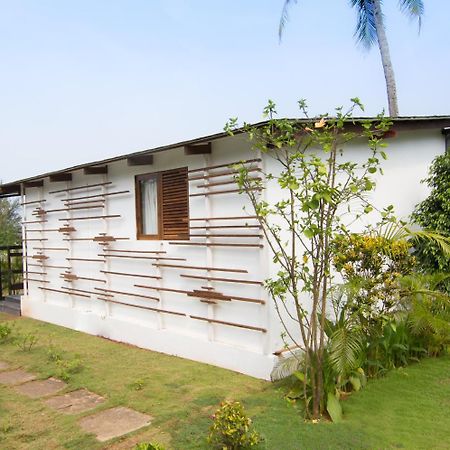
(9, 222)
(321, 192)
(370, 30)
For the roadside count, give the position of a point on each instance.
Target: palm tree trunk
(383, 45)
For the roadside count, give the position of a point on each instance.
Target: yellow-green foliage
(232, 428)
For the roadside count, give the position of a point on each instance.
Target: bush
(66, 368)
(5, 332)
(434, 214)
(26, 342)
(232, 428)
(149, 446)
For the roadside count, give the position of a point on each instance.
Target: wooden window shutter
(175, 204)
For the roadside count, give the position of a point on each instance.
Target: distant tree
(9, 222)
(370, 30)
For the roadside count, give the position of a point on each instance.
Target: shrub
(66, 368)
(6, 331)
(232, 428)
(434, 214)
(149, 446)
(26, 342)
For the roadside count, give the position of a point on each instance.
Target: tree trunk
(383, 45)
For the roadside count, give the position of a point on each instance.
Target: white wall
(243, 350)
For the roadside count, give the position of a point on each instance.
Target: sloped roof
(400, 123)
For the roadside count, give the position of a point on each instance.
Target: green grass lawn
(407, 409)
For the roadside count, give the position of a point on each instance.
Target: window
(162, 205)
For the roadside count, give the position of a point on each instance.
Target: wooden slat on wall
(175, 204)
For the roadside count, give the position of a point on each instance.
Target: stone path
(105, 425)
(114, 422)
(75, 402)
(41, 388)
(14, 377)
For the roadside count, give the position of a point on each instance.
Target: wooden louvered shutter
(175, 204)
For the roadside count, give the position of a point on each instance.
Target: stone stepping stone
(114, 422)
(14, 377)
(41, 388)
(4, 365)
(75, 402)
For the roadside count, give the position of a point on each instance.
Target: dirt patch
(114, 422)
(14, 377)
(41, 388)
(4, 365)
(75, 402)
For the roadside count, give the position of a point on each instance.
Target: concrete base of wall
(164, 341)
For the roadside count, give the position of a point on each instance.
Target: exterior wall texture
(240, 334)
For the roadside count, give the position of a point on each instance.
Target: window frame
(160, 199)
(138, 193)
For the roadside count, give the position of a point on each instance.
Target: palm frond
(284, 17)
(366, 30)
(345, 349)
(286, 366)
(413, 8)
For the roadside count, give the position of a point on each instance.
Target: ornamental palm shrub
(434, 214)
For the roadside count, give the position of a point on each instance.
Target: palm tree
(370, 29)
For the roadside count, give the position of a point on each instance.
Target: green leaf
(355, 382)
(372, 169)
(334, 408)
(308, 233)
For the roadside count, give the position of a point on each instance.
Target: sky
(83, 80)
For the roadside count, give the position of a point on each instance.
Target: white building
(154, 248)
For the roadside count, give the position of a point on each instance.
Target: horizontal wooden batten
(59, 177)
(231, 324)
(87, 186)
(107, 194)
(130, 294)
(66, 229)
(212, 269)
(40, 231)
(221, 183)
(35, 240)
(61, 291)
(72, 277)
(135, 251)
(166, 258)
(225, 173)
(219, 227)
(32, 202)
(86, 260)
(95, 170)
(217, 244)
(225, 191)
(46, 266)
(227, 235)
(34, 273)
(34, 221)
(87, 202)
(42, 249)
(108, 272)
(42, 212)
(162, 311)
(245, 161)
(83, 291)
(224, 280)
(203, 219)
(71, 219)
(36, 281)
(158, 288)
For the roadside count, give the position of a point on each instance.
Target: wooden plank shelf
(154, 277)
(130, 294)
(217, 244)
(61, 291)
(69, 277)
(88, 186)
(212, 269)
(231, 324)
(224, 280)
(71, 219)
(245, 161)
